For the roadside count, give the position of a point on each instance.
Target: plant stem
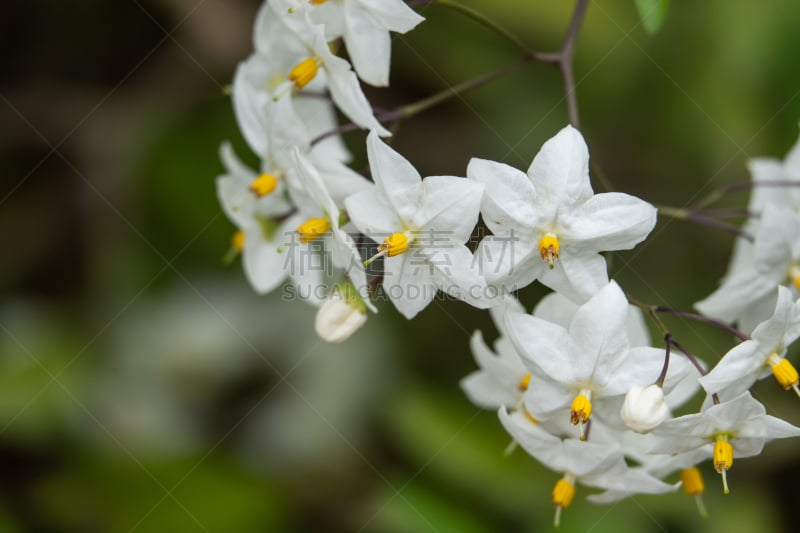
(414, 108)
(699, 217)
(689, 356)
(483, 20)
(663, 375)
(700, 318)
(565, 60)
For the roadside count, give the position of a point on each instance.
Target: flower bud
(339, 317)
(644, 408)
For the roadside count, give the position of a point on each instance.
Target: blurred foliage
(144, 387)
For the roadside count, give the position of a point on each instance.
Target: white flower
(740, 424)
(422, 225)
(502, 377)
(323, 222)
(659, 466)
(549, 225)
(342, 314)
(747, 294)
(262, 220)
(363, 24)
(591, 361)
(340, 79)
(763, 354)
(592, 464)
(644, 408)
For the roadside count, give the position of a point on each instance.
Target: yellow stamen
(785, 373)
(317, 2)
(263, 185)
(794, 275)
(692, 481)
(581, 410)
(237, 241)
(549, 248)
(529, 417)
(395, 244)
(563, 493)
(313, 228)
(305, 71)
(723, 458)
(693, 486)
(523, 384)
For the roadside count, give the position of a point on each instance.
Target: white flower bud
(339, 317)
(644, 408)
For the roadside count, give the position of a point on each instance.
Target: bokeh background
(145, 387)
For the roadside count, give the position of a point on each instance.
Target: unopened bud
(340, 316)
(644, 408)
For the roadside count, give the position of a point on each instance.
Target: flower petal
(608, 221)
(560, 171)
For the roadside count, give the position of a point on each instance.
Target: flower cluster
(577, 383)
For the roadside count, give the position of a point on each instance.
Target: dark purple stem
(700, 318)
(663, 375)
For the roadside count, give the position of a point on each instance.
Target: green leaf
(653, 13)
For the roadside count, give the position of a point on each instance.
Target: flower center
(784, 372)
(794, 275)
(305, 71)
(563, 493)
(237, 241)
(394, 244)
(723, 458)
(313, 228)
(549, 248)
(523, 384)
(263, 185)
(581, 410)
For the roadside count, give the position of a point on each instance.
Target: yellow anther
(523, 384)
(581, 411)
(785, 373)
(794, 275)
(563, 493)
(264, 184)
(549, 248)
(305, 71)
(395, 244)
(723, 458)
(237, 241)
(317, 2)
(529, 416)
(313, 228)
(692, 481)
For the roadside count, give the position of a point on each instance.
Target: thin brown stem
(408, 110)
(700, 318)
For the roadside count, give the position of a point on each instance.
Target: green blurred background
(145, 387)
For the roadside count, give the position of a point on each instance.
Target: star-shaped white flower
(502, 377)
(549, 225)
(422, 225)
(763, 354)
(363, 24)
(590, 362)
(263, 220)
(775, 261)
(741, 425)
(323, 222)
(592, 464)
